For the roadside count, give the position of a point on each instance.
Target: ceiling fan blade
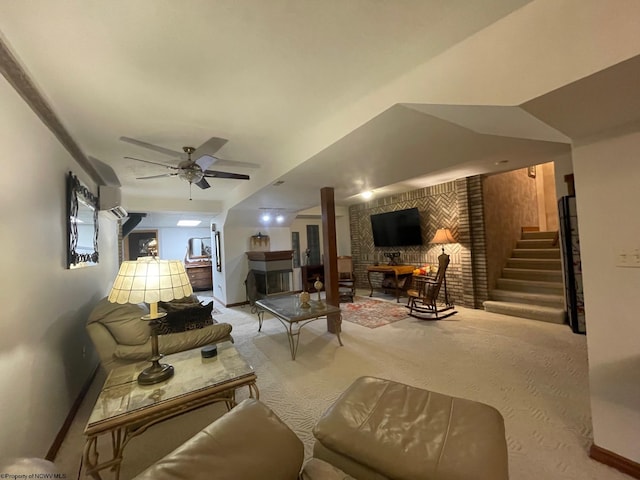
(217, 174)
(203, 183)
(205, 161)
(151, 146)
(152, 163)
(157, 176)
(235, 163)
(209, 160)
(210, 147)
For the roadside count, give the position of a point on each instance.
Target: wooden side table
(398, 272)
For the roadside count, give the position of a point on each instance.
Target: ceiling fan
(193, 171)
(208, 148)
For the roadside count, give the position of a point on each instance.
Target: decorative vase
(318, 286)
(304, 299)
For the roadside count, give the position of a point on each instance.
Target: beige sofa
(121, 337)
(377, 430)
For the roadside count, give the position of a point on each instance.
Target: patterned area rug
(372, 313)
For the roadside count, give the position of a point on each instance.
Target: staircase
(531, 284)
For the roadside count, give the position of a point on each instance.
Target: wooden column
(328, 207)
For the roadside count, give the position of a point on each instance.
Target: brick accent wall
(475, 260)
(455, 205)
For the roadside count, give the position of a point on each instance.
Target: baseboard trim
(614, 460)
(57, 442)
(238, 304)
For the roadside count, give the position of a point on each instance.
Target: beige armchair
(121, 337)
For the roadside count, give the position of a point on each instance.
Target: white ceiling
(263, 74)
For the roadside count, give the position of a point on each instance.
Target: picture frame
(136, 244)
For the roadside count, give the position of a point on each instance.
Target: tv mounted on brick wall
(397, 229)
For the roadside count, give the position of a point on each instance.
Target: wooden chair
(423, 299)
(346, 279)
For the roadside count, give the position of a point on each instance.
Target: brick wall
(454, 205)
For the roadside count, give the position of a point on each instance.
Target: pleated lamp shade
(443, 235)
(150, 280)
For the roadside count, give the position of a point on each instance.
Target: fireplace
(272, 271)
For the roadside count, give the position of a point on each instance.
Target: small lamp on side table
(151, 280)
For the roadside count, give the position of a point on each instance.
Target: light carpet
(372, 313)
(534, 373)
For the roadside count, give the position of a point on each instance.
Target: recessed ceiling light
(189, 223)
(266, 217)
(280, 218)
(367, 194)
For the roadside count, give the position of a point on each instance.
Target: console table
(398, 273)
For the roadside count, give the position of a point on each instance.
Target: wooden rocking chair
(423, 299)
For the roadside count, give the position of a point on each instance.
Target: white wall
(562, 166)
(172, 241)
(607, 175)
(343, 240)
(229, 287)
(44, 305)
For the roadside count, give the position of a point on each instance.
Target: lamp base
(156, 373)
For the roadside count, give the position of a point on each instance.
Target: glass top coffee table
(126, 409)
(287, 309)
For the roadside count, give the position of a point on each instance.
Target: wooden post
(328, 207)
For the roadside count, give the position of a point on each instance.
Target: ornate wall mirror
(199, 248)
(82, 224)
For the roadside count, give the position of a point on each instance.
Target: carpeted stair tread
(530, 286)
(535, 263)
(532, 274)
(536, 243)
(536, 253)
(538, 235)
(525, 310)
(543, 299)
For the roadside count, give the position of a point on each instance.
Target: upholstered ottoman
(379, 429)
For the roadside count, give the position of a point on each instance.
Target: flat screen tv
(397, 229)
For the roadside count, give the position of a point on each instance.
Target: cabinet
(310, 273)
(200, 275)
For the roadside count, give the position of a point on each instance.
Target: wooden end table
(397, 271)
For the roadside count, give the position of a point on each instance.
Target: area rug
(372, 313)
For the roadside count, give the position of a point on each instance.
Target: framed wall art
(137, 243)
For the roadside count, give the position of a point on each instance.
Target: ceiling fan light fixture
(191, 174)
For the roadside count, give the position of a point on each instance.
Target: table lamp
(442, 236)
(151, 280)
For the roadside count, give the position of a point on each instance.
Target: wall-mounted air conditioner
(110, 199)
